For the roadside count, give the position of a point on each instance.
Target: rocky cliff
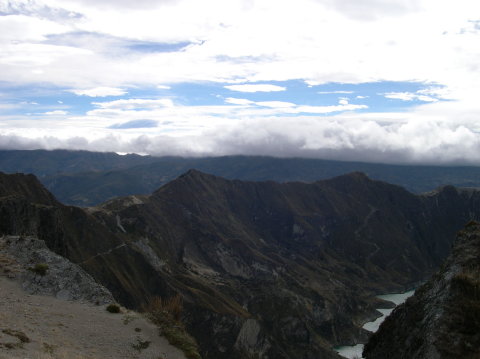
(269, 270)
(52, 309)
(442, 319)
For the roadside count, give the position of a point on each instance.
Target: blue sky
(383, 81)
(378, 97)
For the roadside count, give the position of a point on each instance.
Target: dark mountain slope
(442, 319)
(21, 185)
(27, 208)
(46, 163)
(301, 259)
(268, 269)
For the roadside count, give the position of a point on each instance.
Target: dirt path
(43, 327)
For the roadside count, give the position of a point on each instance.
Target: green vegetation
(113, 308)
(166, 314)
(40, 268)
(141, 345)
(48, 348)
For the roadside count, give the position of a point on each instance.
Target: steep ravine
(269, 270)
(442, 319)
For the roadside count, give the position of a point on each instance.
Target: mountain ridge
(88, 178)
(270, 269)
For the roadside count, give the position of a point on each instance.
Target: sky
(392, 81)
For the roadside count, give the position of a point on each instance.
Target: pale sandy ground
(60, 329)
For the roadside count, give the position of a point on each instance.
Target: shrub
(40, 268)
(141, 345)
(113, 308)
(472, 223)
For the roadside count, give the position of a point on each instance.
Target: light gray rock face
(62, 279)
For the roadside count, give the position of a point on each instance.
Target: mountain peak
(25, 185)
(195, 173)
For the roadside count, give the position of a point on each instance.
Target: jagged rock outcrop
(61, 279)
(269, 270)
(442, 319)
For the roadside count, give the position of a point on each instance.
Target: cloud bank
(61, 60)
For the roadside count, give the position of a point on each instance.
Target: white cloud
(255, 88)
(372, 9)
(264, 41)
(163, 87)
(243, 44)
(56, 113)
(409, 96)
(99, 92)
(424, 135)
(343, 101)
(238, 101)
(334, 92)
(133, 104)
(275, 104)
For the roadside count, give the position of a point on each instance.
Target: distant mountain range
(265, 269)
(89, 178)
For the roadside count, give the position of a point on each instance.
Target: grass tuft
(113, 308)
(166, 314)
(40, 268)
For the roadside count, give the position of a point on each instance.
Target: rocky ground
(62, 313)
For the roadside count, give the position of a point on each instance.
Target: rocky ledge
(41, 271)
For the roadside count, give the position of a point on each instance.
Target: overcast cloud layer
(372, 80)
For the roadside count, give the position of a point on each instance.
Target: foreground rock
(49, 326)
(42, 271)
(442, 319)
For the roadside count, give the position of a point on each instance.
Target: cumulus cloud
(134, 104)
(338, 137)
(409, 96)
(334, 92)
(372, 9)
(238, 101)
(100, 92)
(71, 44)
(255, 88)
(138, 4)
(56, 113)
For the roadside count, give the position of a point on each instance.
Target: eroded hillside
(268, 269)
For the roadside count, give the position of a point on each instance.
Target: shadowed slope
(442, 319)
(277, 270)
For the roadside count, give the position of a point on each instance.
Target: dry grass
(166, 314)
(468, 283)
(172, 306)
